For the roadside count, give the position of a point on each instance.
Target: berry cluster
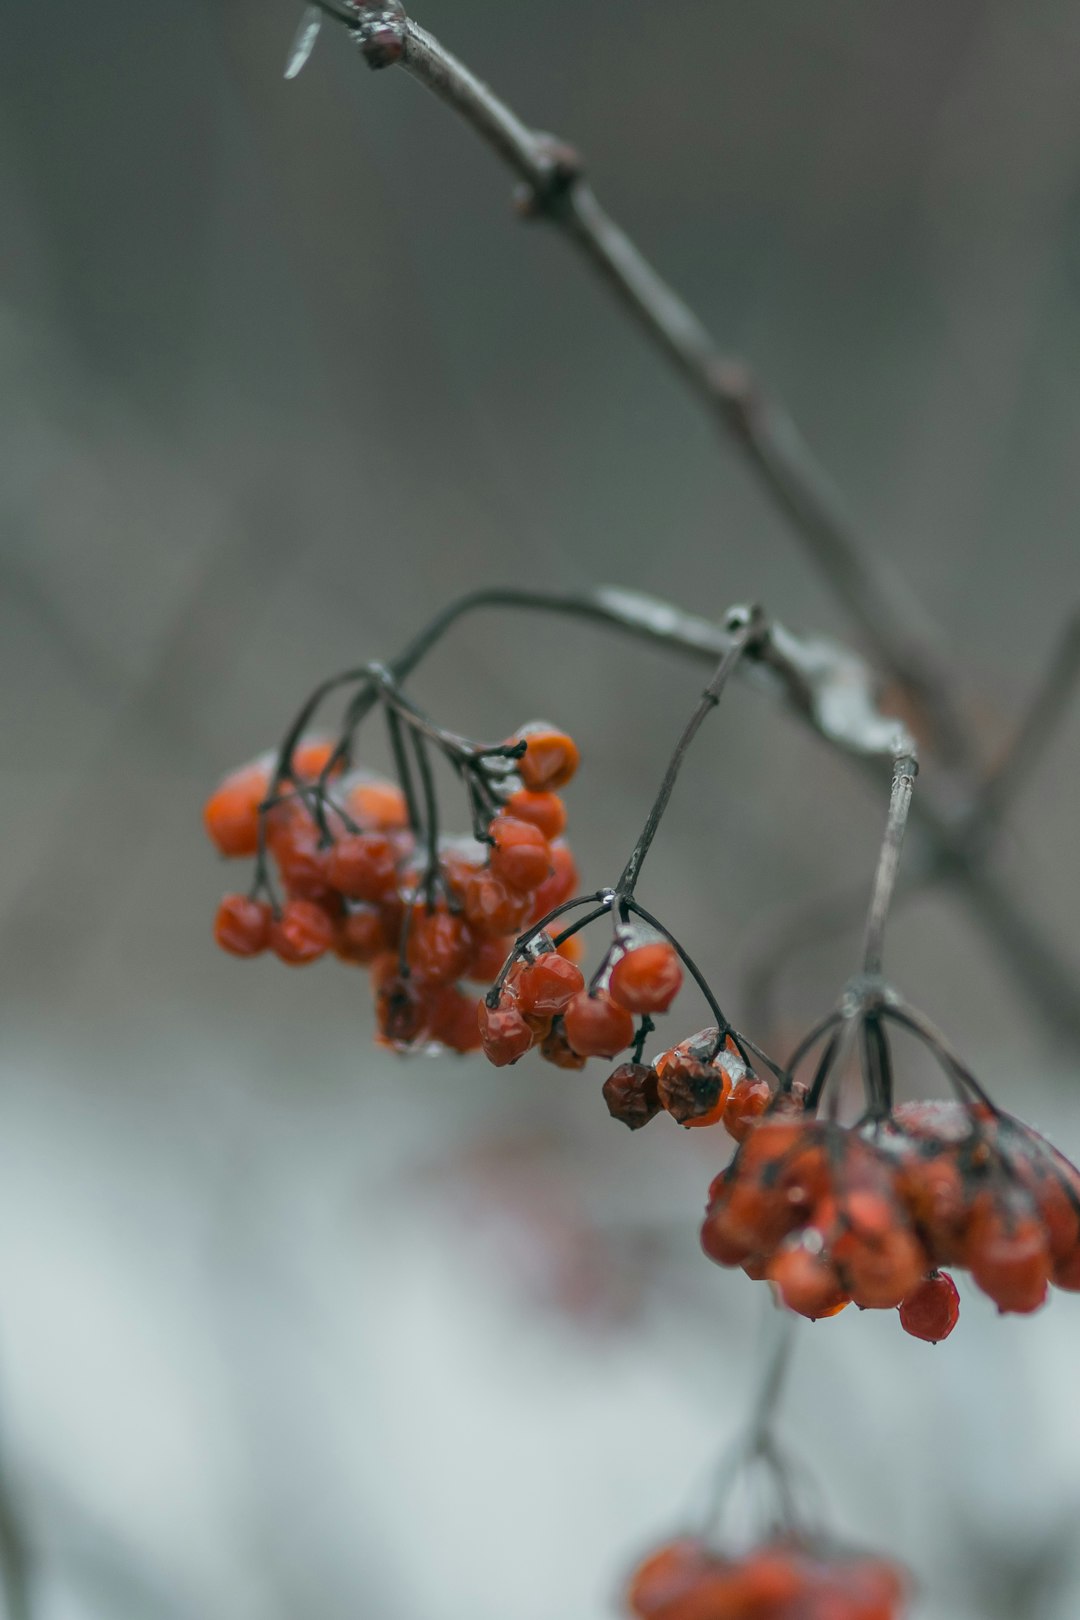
(781, 1580)
(365, 881)
(701, 1081)
(833, 1214)
(543, 1000)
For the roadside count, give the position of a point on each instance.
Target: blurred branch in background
(958, 821)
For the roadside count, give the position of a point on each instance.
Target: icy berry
(363, 866)
(301, 858)
(549, 761)
(694, 1092)
(631, 1095)
(504, 1033)
(303, 933)
(932, 1309)
(231, 814)
(749, 1099)
(647, 979)
(360, 935)
(544, 810)
(558, 887)
(453, 1021)
(596, 1026)
(378, 806)
(548, 984)
(492, 908)
(521, 856)
(439, 946)
(242, 926)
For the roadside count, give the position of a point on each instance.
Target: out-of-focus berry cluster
(832, 1214)
(781, 1580)
(359, 882)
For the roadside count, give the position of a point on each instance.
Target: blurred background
(288, 1327)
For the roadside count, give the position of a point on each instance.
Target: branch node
(379, 31)
(558, 169)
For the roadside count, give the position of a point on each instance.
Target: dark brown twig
(555, 189)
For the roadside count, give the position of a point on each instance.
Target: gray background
(291, 1329)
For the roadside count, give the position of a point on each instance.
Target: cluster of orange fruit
(781, 1580)
(868, 1214)
(356, 884)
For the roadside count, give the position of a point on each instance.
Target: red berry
(453, 1020)
(303, 933)
(504, 1033)
(549, 761)
(543, 810)
(807, 1283)
(596, 1026)
(377, 805)
(360, 935)
(931, 1310)
(749, 1099)
(647, 979)
(439, 946)
(558, 887)
(521, 856)
(302, 861)
(311, 757)
(491, 908)
(548, 984)
(556, 1049)
(1009, 1260)
(489, 954)
(231, 814)
(363, 866)
(242, 926)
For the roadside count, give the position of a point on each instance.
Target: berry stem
(905, 769)
(403, 768)
(748, 627)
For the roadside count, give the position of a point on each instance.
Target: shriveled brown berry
(693, 1092)
(631, 1095)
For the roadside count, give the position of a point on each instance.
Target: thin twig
(903, 786)
(878, 601)
(1045, 712)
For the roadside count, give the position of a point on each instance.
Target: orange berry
(548, 984)
(242, 926)
(596, 1026)
(1009, 1260)
(549, 761)
(303, 933)
(491, 908)
(302, 861)
(488, 955)
(647, 979)
(453, 1020)
(311, 757)
(573, 949)
(439, 946)
(378, 806)
(545, 811)
(750, 1097)
(231, 813)
(359, 935)
(521, 856)
(363, 866)
(807, 1283)
(558, 887)
(505, 1035)
(932, 1309)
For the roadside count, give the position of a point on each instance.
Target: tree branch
(897, 629)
